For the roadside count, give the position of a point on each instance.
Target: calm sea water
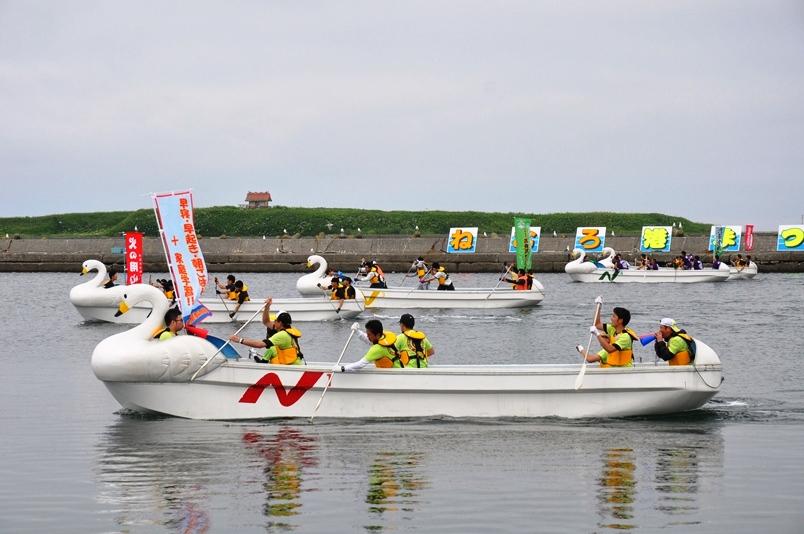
(71, 461)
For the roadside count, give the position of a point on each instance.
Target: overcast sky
(694, 108)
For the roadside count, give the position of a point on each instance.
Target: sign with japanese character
(132, 257)
(535, 235)
(590, 238)
(174, 214)
(790, 238)
(462, 240)
(655, 239)
(730, 236)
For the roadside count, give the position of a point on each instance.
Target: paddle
(228, 341)
(507, 270)
(331, 303)
(407, 275)
(579, 379)
(225, 307)
(331, 373)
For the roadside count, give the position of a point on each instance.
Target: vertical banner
(462, 240)
(729, 241)
(590, 238)
(523, 250)
(535, 237)
(790, 238)
(656, 239)
(174, 214)
(749, 237)
(133, 257)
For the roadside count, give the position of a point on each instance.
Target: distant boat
(587, 271)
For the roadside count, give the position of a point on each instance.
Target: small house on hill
(258, 200)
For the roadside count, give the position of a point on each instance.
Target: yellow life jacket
(387, 340)
(443, 281)
(235, 295)
(169, 294)
(421, 271)
(684, 357)
(621, 358)
(289, 355)
(416, 338)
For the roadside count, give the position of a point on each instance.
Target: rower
(420, 270)
(440, 275)
(241, 295)
(673, 344)
(375, 277)
(520, 283)
(615, 339)
(281, 340)
(344, 292)
(228, 288)
(413, 345)
(112, 278)
(382, 353)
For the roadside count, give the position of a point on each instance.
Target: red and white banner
(132, 253)
(174, 214)
(749, 237)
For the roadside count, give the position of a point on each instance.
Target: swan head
(609, 252)
(315, 259)
(137, 293)
(92, 265)
(577, 253)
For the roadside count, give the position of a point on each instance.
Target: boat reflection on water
(617, 489)
(671, 468)
(287, 453)
(394, 483)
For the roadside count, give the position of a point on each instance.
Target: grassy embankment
(232, 221)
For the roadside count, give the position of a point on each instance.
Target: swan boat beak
(309, 264)
(84, 271)
(121, 309)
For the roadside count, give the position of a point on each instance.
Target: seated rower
(343, 293)
(241, 292)
(420, 270)
(227, 289)
(673, 344)
(412, 345)
(375, 277)
(281, 340)
(166, 286)
(615, 339)
(382, 353)
(697, 264)
(716, 263)
(173, 325)
(439, 274)
(519, 280)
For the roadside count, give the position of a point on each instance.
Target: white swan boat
(96, 303)
(746, 273)
(603, 271)
(155, 377)
(412, 298)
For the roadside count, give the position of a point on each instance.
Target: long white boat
(746, 273)
(413, 298)
(96, 303)
(156, 376)
(475, 298)
(587, 271)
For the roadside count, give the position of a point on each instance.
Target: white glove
(337, 368)
(598, 300)
(355, 326)
(594, 330)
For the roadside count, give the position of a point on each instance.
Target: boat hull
(300, 309)
(635, 276)
(745, 274)
(244, 390)
(459, 299)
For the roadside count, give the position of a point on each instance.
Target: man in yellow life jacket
(382, 352)
(173, 325)
(440, 275)
(343, 293)
(615, 339)
(281, 340)
(375, 278)
(241, 296)
(227, 289)
(673, 344)
(412, 345)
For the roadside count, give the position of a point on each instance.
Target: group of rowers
(371, 272)
(683, 261)
(672, 344)
(409, 348)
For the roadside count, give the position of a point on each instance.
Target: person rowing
(419, 269)
(382, 353)
(616, 340)
(281, 340)
(412, 345)
(440, 275)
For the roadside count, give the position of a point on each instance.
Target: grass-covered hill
(233, 221)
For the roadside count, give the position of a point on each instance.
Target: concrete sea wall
(394, 253)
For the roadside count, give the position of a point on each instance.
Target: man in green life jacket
(615, 339)
(281, 340)
(673, 344)
(382, 352)
(174, 324)
(412, 345)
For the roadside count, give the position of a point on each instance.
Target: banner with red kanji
(174, 214)
(132, 253)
